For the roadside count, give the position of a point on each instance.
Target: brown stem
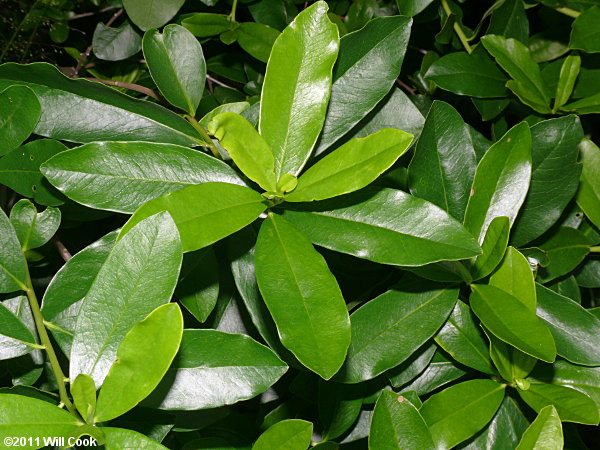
(134, 87)
(62, 250)
(406, 87)
(91, 13)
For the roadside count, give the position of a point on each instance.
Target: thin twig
(134, 87)
(92, 13)
(217, 82)
(405, 86)
(62, 250)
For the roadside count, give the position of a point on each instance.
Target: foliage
(280, 224)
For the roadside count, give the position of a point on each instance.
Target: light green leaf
(512, 364)
(545, 433)
(493, 246)
(352, 166)
(139, 275)
(143, 358)
(150, 15)
(246, 147)
(83, 391)
(515, 277)
(177, 65)
(568, 74)
(13, 271)
(13, 328)
(19, 113)
(588, 196)
(205, 213)
(297, 88)
(292, 434)
(584, 33)
(120, 438)
(33, 229)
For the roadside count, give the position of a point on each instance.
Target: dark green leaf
(116, 44)
(339, 407)
(13, 269)
(13, 328)
(585, 35)
(545, 432)
(565, 248)
(412, 7)
(150, 15)
(257, 39)
(206, 24)
(438, 373)
(493, 246)
(509, 20)
(33, 229)
(20, 111)
(413, 366)
(198, 286)
(588, 196)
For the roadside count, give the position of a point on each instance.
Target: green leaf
(116, 44)
(151, 15)
(438, 373)
(13, 269)
(501, 181)
(443, 166)
(120, 176)
(554, 177)
(292, 434)
(587, 105)
(143, 358)
(11, 326)
(27, 417)
(120, 438)
(406, 316)
(139, 275)
(510, 20)
(83, 391)
(397, 424)
(257, 39)
(575, 329)
(206, 24)
(413, 366)
(474, 75)
(339, 406)
(568, 74)
(83, 111)
(204, 213)
(515, 58)
(33, 229)
(571, 405)
(512, 364)
(297, 88)
(214, 369)
(514, 276)
(512, 322)
(585, 35)
(20, 170)
(462, 338)
(352, 166)
(64, 295)
(544, 433)
(235, 107)
(588, 196)
(246, 147)
(458, 412)
(19, 113)
(365, 224)
(376, 53)
(198, 286)
(313, 321)
(493, 247)
(566, 248)
(177, 65)
(412, 7)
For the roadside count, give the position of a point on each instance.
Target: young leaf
(204, 213)
(13, 271)
(501, 181)
(397, 424)
(584, 34)
(33, 229)
(297, 87)
(120, 176)
(120, 438)
(352, 166)
(366, 224)
(143, 358)
(292, 434)
(493, 247)
(512, 364)
(545, 432)
(588, 196)
(515, 277)
(176, 64)
(375, 52)
(13, 328)
(19, 113)
(442, 168)
(138, 276)
(512, 322)
(83, 391)
(246, 147)
(151, 15)
(302, 296)
(568, 74)
(458, 412)
(407, 316)
(214, 369)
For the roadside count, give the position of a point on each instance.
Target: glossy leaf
(83, 391)
(386, 226)
(588, 196)
(458, 412)
(116, 44)
(375, 52)
(198, 285)
(510, 20)
(204, 213)
(213, 369)
(568, 74)
(19, 113)
(297, 88)
(246, 147)
(12, 327)
(177, 65)
(443, 166)
(34, 228)
(440, 371)
(139, 275)
(544, 433)
(512, 364)
(462, 338)
(302, 296)
(512, 322)
(13, 271)
(120, 438)
(565, 248)
(554, 177)
(206, 24)
(501, 181)
(256, 39)
(120, 176)
(413, 366)
(574, 328)
(292, 434)
(493, 247)
(584, 34)
(407, 316)
(352, 166)
(412, 7)
(83, 111)
(149, 15)
(397, 424)
(514, 276)
(143, 358)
